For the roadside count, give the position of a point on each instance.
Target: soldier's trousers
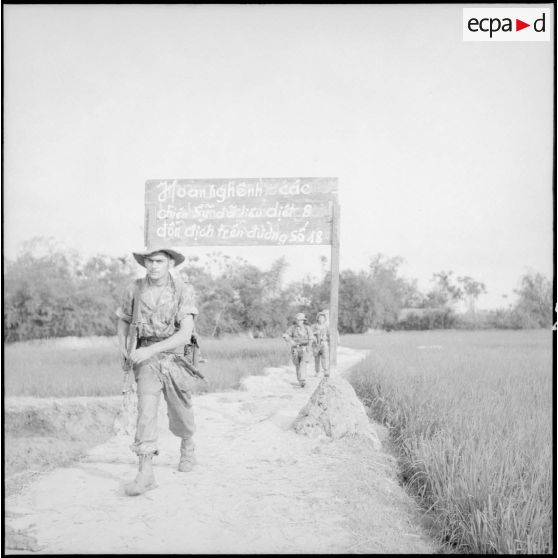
(300, 356)
(321, 356)
(162, 374)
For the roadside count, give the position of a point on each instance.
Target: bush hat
(176, 256)
(300, 316)
(322, 313)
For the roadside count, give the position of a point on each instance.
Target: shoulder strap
(135, 304)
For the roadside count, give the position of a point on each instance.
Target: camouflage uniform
(159, 316)
(300, 337)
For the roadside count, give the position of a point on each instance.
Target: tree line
(52, 292)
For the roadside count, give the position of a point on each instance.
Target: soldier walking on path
(300, 338)
(321, 346)
(156, 321)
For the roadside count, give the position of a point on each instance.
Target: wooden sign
(241, 211)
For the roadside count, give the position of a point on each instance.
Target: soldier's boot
(187, 455)
(145, 479)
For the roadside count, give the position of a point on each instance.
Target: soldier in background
(321, 344)
(300, 338)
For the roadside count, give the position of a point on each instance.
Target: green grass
(48, 370)
(472, 423)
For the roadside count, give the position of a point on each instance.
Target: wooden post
(334, 292)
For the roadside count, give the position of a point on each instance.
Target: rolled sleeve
(124, 311)
(186, 303)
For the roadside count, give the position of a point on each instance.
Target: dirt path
(258, 488)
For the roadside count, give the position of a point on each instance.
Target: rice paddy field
(90, 366)
(471, 419)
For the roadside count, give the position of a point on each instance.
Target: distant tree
(39, 292)
(411, 296)
(50, 292)
(445, 293)
(309, 296)
(369, 298)
(216, 298)
(233, 295)
(534, 305)
(357, 308)
(389, 291)
(214, 294)
(471, 290)
(273, 279)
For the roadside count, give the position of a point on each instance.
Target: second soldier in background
(300, 337)
(321, 345)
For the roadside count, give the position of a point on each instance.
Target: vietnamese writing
(239, 231)
(174, 189)
(169, 191)
(205, 211)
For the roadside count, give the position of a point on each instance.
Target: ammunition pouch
(191, 353)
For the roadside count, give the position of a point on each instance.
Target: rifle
(125, 420)
(132, 340)
(131, 343)
(190, 368)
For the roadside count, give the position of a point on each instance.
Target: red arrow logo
(519, 25)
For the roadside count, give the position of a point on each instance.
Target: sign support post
(334, 289)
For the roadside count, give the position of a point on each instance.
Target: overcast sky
(443, 148)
